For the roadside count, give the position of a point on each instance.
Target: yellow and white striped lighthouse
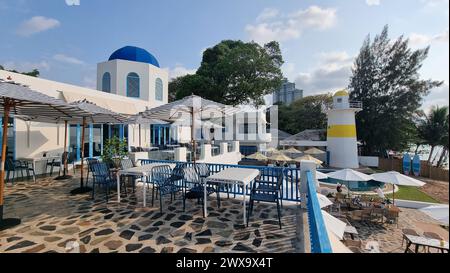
(341, 133)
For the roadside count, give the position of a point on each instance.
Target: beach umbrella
(271, 150)
(280, 157)
(309, 158)
(194, 106)
(257, 156)
(349, 175)
(396, 178)
(334, 225)
(438, 212)
(314, 151)
(139, 120)
(324, 201)
(94, 114)
(292, 151)
(320, 175)
(21, 101)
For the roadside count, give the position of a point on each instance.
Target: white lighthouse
(341, 133)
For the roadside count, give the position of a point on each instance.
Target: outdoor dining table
(239, 176)
(33, 161)
(143, 171)
(426, 242)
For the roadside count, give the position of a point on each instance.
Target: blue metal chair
(90, 163)
(194, 187)
(102, 177)
(128, 164)
(267, 189)
(163, 184)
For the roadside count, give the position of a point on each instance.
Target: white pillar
(305, 166)
(223, 148)
(205, 152)
(236, 146)
(180, 154)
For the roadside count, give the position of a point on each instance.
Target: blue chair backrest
(177, 172)
(9, 164)
(126, 164)
(203, 170)
(100, 171)
(161, 174)
(92, 161)
(190, 175)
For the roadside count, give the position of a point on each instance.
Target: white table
(144, 171)
(238, 176)
(33, 161)
(426, 242)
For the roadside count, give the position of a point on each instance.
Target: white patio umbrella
(292, 151)
(324, 201)
(139, 120)
(95, 115)
(308, 157)
(280, 157)
(196, 107)
(314, 151)
(21, 101)
(257, 156)
(334, 225)
(396, 178)
(320, 175)
(349, 175)
(439, 213)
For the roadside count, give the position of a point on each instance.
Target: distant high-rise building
(287, 93)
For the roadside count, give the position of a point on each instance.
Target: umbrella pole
(82, 189)
(140, 145)
(82, 153)
(65, 176)
(5, 223)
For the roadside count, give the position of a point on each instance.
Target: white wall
(119, 70)
(369, 161)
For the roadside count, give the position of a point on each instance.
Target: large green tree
(306, 113)
(234, 72)
(386, 79)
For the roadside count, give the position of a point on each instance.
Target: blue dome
(134, 54)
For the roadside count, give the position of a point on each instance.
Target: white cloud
(373, 2)
(179, 71)
(37, 24)
(273, 26)
(438, 96)
(332, 73)
(26, 66)
(418, 39)
(267, 14)
(67, 59)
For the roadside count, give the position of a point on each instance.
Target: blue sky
(319, 39)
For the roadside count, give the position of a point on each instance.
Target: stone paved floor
(389, 236)
(51, 218)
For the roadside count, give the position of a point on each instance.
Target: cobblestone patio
(389, 236)
(51, 218)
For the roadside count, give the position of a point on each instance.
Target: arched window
(159, 89)
(106, 82)
(133, 85)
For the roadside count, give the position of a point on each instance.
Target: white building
(130, 82)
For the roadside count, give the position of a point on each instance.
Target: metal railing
(356, 104)
(320, 243)
(290, 186)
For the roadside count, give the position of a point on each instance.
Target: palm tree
(434, 128)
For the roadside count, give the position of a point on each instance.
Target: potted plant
(114, 150)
